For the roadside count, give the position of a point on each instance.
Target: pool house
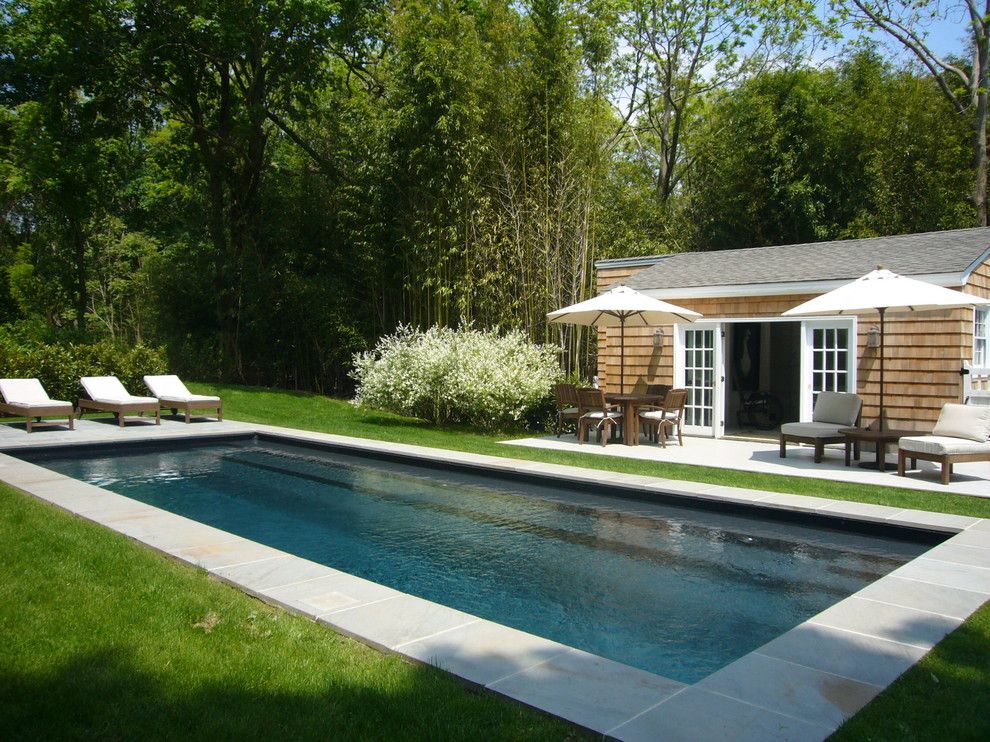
(744, 347)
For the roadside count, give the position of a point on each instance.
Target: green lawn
(102, 638)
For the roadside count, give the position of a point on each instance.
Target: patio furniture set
(27, 398)
(962, 433)
(657, 413)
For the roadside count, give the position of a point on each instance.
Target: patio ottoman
(941, 449)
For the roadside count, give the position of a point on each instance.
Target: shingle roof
(953, 251)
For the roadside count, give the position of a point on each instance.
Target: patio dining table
(630, 412)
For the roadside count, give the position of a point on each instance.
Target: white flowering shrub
(457, 376)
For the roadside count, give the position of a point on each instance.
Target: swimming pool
(674, 590)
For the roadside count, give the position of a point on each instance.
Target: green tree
(806, 155)
(232, 73)
(66, 120)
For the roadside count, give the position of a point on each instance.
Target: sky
(946, 34)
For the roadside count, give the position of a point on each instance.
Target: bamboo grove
(265, 188)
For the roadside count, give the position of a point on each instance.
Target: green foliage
(60, 366)
(805, 155)
(483, 378)
(265, 188)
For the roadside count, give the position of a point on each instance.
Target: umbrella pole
(622, 354)
(883, 349)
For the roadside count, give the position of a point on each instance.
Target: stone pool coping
(800, 686)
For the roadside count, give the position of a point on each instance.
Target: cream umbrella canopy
(617, 308)
(879, 291)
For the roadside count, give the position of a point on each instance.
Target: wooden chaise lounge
(107, 394)
(961, 434)
(172, 394)
(28, 399)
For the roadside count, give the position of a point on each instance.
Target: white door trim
(716, 430)
(808, 327)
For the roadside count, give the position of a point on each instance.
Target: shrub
(59, 367)
(470, 376)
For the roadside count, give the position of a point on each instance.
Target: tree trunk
(82, 295)
(980, 134)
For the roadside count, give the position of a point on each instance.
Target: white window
(980, 336)
(830, 360)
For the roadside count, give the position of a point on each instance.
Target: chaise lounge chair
(172, 393)
(960, 434)
(833, 410)
(107, 394)
(28, 399)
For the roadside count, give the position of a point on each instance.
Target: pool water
(673, 590)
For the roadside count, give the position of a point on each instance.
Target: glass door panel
(700, 367)
(830, 360)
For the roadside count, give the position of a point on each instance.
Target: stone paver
(892, 622)
(856, 656)
(800, 692)
(695, 714)
(484, 652)
(271, 573)
(566, 683)
(398, 620)
(948, 601)
(948, 574)
(231, 553)
(326, 595)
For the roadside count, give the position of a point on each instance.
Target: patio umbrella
(879, 291)
(620, 306)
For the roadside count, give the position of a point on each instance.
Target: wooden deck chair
(172, 394)
(107, 394)
(28, 399)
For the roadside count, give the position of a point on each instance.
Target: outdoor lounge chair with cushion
(172, 393)
(594, 411)
(107, 394)
(833, 410)
(28, 399)
(960, 434)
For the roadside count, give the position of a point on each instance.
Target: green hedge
(59, 367)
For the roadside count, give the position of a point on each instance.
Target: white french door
(828, 362)
(699, 370)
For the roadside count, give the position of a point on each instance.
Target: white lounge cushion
(971, 422)
(169, 388)
(940, 445)
(109, 390)
(812, 430)
(838, 408)
(27, 392)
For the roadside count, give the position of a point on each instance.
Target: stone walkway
(764, 457)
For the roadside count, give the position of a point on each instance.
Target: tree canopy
(265, 188)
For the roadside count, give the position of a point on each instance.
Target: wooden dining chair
(657, 419)
(596, 411)
(567, 404)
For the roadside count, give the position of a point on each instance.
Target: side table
(857, 436)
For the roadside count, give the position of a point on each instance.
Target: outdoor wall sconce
(658, 336)
(873, 337)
